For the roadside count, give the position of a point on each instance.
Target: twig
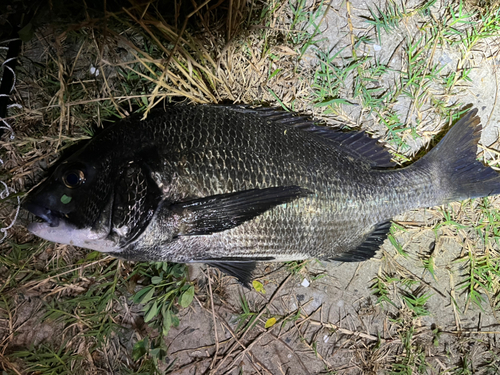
(275, 294)
(213, 320)
(37, 283)
(351, 29)
(347, 331)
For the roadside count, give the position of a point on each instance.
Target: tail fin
(454, 161)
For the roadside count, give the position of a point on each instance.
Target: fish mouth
(53, 226)
(49, 216)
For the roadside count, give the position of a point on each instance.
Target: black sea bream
(232, 185)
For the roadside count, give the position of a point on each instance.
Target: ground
(427, 303)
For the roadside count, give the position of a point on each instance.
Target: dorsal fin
(356, 144)
(369, 246)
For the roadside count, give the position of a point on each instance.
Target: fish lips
(49, 216)
(56, 228)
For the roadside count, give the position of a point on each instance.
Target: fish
(233, 185)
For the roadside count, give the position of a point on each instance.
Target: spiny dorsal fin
(369, 246)
(357, 144)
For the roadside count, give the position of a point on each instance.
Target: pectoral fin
(225, 211)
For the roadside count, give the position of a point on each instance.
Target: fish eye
(73, 178)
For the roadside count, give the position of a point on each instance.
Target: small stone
(94, 71)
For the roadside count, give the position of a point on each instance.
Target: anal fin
(242, 270)
(369, 246)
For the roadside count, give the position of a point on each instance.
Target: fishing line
(6, 65)
(4, 194)
(5, 126)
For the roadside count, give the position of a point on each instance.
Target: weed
(46, 360)
(437, 335)
(465, 367)
(367, 84)
(411, 292)
(305, 26)
(394, 229)
(449, 220)
(297, 267)
(165, 286)
(429, 264)
(247, 317)
(94, 307)
(380, 288)
(329, 81)
(413, 361)
(17, 260)
(415, 301)
(482, 274)
(414, 298)
(291, 318)
(488, 225)
(482, 278)
(149, 355)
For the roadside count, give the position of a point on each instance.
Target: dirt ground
(329, 317)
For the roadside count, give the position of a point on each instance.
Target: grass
(47, 360)
(413, 361)
(247, 317)
(387, 72)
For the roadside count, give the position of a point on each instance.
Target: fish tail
(454, 165)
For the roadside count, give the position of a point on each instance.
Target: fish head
(99, 198)
(74, 204)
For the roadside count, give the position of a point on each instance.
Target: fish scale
(230, 185)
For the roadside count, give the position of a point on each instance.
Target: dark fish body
(227, 185)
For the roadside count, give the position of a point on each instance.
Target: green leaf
(187, 297)
(143, 296)
(331, 101)
(175, 321)
(156, 279)
(65, 199)
(152, 312)
(92, 255)
(155, 352)
(139, 349)
(167, 323)
(178, 270)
